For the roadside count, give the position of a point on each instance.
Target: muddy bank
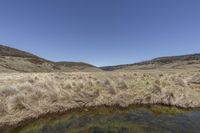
(28, 96)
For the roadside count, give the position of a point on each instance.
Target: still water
(151, 119)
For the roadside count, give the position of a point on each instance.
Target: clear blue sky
(101, 32)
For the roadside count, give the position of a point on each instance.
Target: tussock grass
(29, 95)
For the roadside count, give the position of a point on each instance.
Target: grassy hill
(169, 62)
(14, 60)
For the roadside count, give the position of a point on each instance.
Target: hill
(169, 62)
(14, 60)
(7, 51)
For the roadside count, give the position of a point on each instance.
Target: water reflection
(154, 119)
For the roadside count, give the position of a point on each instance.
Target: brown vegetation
(29, 95)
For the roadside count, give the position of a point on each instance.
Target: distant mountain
(14, 60)
(169, 62)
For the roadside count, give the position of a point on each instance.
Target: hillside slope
(7, 51)
(14, 60)
(170, 62)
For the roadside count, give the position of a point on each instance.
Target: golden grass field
(30, 95)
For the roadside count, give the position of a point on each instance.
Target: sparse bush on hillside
(35, 61)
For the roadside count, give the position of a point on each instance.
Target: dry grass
(29, 95)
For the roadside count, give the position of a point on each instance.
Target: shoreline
(55, 114)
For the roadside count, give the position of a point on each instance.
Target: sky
(101, 32)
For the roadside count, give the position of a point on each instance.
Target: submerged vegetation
(137, 119)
